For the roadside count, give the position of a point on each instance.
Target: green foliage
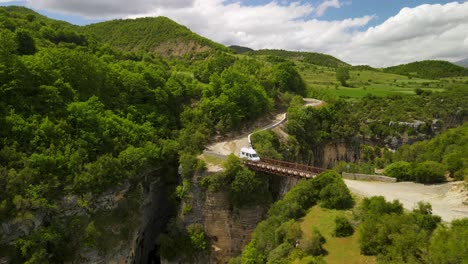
(342, 75)
(197, 237)
(279, 254)
(448, 148)
(240, 49)
(429, 172)
(266, 144)
(26, 44)
(214, 65)
(448, 243)
(289, 232)
(149, 35)
(286, 78)
(342, 227)
(244, 186)
(395, 236)
(336, 196)
(91, 235)
(429, 69)
(313, 127)
(80, 117)
(314, 245)
(189, 164)
(307, 57)
(280, 227)
(377, 206)
(400, 170)
(182, 243)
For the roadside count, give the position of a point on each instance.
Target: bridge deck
(283, 168)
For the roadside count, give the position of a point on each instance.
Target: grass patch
(363, 83)
(340, 250)
(212, 159)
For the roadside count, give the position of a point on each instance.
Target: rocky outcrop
(128, 240)
(328, 155)
(228, 229)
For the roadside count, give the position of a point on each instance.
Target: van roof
(248, 150)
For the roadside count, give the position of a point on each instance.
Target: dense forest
(429, 69)
(307, 57)
(79, 117)
(155, 35)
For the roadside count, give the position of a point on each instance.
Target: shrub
(429, 172)
(336, 196)
(342, 227)
(401, 170)
(314, 244)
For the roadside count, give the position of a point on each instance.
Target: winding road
(233, 146)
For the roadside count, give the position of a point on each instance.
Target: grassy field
(340, 250)
(365, 82)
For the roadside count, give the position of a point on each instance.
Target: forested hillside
(427, 161)
(240, 49)
(307, 57)
(429, 69)
(158, 35)
(80, 119)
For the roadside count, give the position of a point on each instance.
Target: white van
(249, 153)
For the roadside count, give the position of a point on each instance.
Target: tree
(429, 172)
(342, 75)
(449, 244)
(400, 170)
(342, 227)
(26, 44)
(336, 196)
(314, 244)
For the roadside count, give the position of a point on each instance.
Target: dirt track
(234, 145)
(446, 199)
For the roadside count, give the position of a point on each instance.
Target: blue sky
(382, 9)
(373, 32)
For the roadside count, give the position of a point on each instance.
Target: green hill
(45, 31)
(429, 69)
(307, 57)
(240, 49)
(152, 34)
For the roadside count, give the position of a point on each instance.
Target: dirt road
(446, 199)
(234, 145)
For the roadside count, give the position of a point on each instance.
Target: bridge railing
(296, 166)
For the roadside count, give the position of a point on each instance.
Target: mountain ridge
(307, 57)
(152, 34)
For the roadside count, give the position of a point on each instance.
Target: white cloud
(423, 32)
(327, 4)
(105, 8)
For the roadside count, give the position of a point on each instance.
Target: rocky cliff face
(328, 155)
(129, 219)
(228, 229)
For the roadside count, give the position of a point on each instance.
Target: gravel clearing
(446, 199)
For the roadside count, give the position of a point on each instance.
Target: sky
(379, 33)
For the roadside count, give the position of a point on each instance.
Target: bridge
(283, 168)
